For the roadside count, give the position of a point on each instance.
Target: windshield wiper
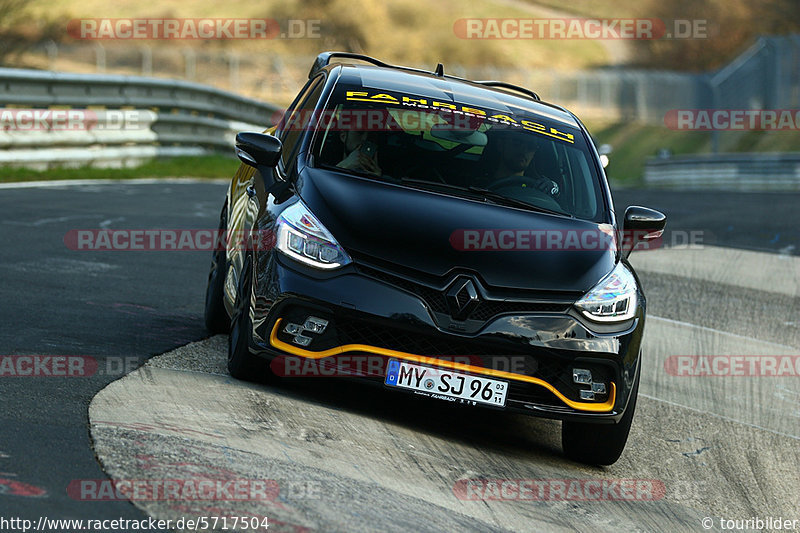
(507, 200)
(487, 195)
(440, 184)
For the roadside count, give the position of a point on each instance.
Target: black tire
(216, 317)
(598, 444)
(242, 364)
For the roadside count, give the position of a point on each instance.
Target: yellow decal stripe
(339, 350)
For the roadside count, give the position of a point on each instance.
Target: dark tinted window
(296, 120)
(406, 138)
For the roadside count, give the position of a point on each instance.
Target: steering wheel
(521, 182)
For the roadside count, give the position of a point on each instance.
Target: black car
(459, 235)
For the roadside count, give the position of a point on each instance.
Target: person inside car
(515, 153)
(360, 153)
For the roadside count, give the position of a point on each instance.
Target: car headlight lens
(613, 299)
(303, 238)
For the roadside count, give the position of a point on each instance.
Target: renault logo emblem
(462, 298)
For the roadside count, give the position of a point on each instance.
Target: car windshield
(520, 159)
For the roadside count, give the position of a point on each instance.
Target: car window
(280, 130)
(296, 120)
(409, 139)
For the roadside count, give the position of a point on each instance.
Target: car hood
(429, 231)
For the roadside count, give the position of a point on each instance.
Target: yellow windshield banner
(377, 97)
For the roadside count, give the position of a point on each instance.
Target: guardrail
(172, 118)
(738, 172)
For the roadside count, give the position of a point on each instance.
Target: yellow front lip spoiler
(339, 350)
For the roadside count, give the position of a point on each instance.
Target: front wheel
(598, 444)
(242, 364)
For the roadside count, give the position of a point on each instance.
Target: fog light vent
(302, 340)
(587, 395)
(584, 377)
(293, 329)
(599, 388)
(315, 325)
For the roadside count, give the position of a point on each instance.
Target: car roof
(447, 88)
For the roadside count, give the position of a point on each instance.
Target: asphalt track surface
(721, 448)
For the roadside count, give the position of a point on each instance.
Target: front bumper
(372, 320)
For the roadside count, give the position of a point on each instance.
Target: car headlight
(303, 238)
(613, 299)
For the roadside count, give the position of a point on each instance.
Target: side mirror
(641, 224)
(258, 149)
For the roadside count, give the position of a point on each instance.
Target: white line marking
(43, 221)
(705, 328)
(135, 181)
(106, 223)
(726, 418)
(149, 365)
(756, 270)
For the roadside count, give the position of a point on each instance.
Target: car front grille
(486, 309)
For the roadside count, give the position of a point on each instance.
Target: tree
(732, 26)
(19, 30)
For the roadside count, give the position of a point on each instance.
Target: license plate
(445, 384)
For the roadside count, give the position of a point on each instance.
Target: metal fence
(739, 172)
(190, 118)
(172, 118)
(764, 76)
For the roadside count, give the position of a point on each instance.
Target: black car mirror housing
(641, 224)
(258, 149)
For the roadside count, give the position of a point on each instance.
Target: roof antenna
(439, 70)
